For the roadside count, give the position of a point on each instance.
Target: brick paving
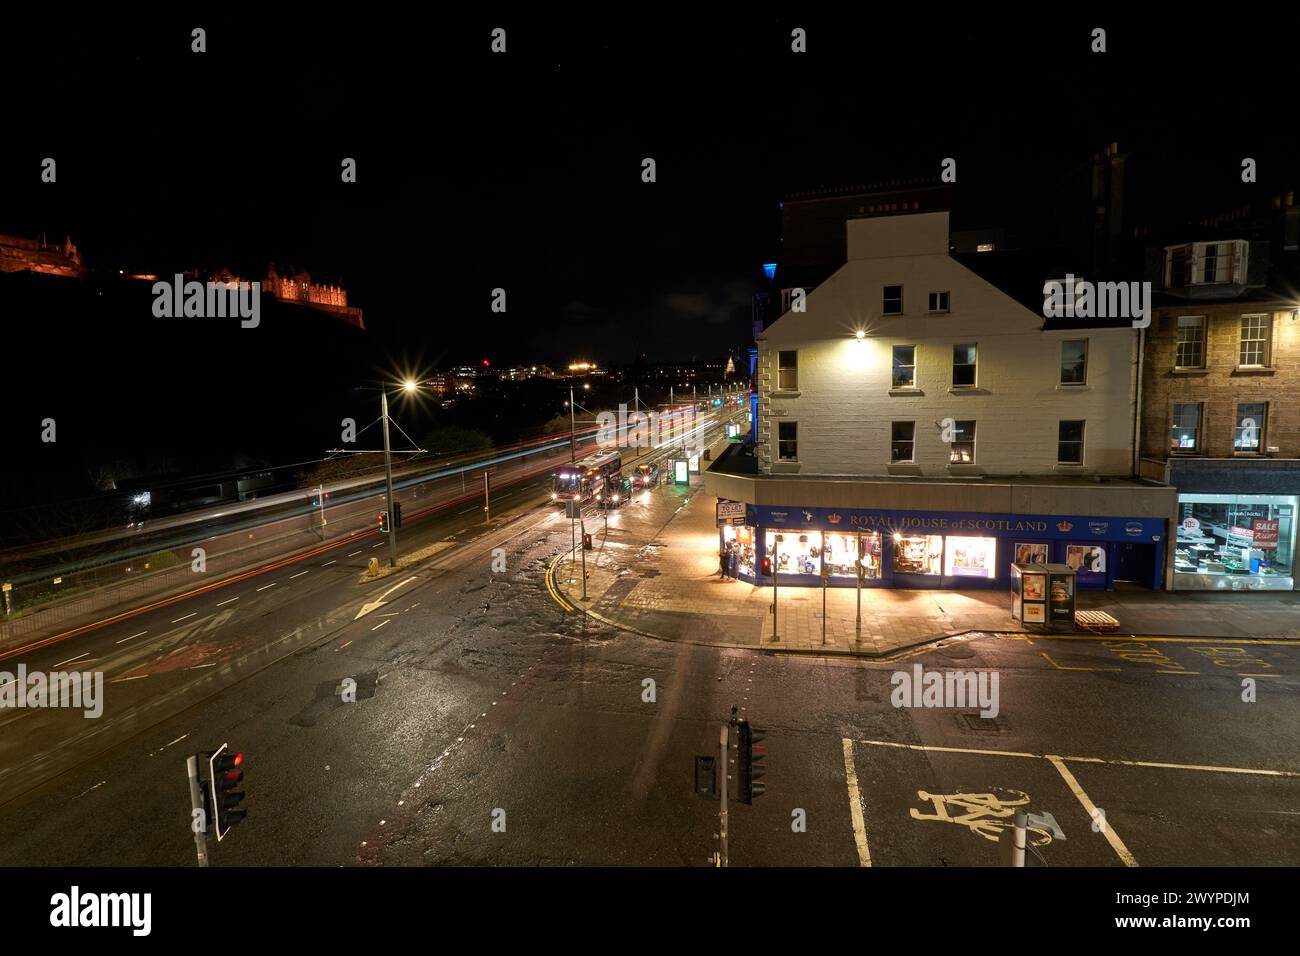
(655, 571)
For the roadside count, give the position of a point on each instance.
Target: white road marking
(298, 575)
(374, 605)
(120, 680)
(328, 563)
(131, 638)
(227, 601)
(186, 617)
(271, 585)
(71, 659)
(1090, 809)
(354, 554)
(201, 666)
(379, 545)
(379, 625)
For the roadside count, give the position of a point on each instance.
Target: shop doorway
(1135, 564)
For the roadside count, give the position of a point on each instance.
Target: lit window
(904, 366)
(962, 446)
(1249, 432)
(1185, 430)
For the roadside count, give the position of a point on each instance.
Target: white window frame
(1060, 372)
(1264, 340)
(911, 442)
(780, 457)
(1083, 437)
(1178, 327)
(933, 302)
(780, 385)
(883, 300)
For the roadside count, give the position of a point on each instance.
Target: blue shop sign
(1054, 527)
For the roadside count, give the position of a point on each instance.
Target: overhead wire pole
(573, 430)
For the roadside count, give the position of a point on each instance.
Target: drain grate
(972, 721)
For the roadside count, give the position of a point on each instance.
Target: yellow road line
(1065, 667)
(1164, 640)
(855, 806)
(1091, 810)
(550, 584)
(1208, 768)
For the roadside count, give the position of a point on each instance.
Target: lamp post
(409, 386)
(573, 430)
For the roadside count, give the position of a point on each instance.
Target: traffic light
(767, 566)
(586, 541)
(224, 777)
(397, 514)
(383, 522)
(750, 760)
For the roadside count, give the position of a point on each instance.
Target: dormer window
(1206, 263)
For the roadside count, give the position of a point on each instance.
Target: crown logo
(1063, 526)
(833, 518)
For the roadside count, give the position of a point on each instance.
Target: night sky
(523, 171)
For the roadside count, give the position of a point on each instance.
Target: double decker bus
(585, 478)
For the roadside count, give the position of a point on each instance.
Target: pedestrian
(722, 563)
(733, 560)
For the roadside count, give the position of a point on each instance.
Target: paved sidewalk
(656, 572)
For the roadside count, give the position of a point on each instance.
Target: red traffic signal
(384, 526)
(586, 541)
(767, 566)
(223, 797)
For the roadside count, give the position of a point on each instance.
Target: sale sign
(1264, 531)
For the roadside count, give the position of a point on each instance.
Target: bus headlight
(554, 496)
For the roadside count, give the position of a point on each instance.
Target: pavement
(654, 572)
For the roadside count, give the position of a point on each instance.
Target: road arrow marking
(374, 605)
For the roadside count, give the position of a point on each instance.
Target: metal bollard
(1011, 842)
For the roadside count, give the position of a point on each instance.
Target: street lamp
(409, 387)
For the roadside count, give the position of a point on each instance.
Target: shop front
(1235, 542)
(950, 550)
(1236, 527)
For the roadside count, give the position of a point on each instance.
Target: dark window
(787, 370)
(893, 300)
(938, 301)
(1069, 444)
(1184, 432)
(962, 446)
(1190, 349)
(904, 366)
(1074, 362)
(963, 365)
(787, 441)
(903, 441)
